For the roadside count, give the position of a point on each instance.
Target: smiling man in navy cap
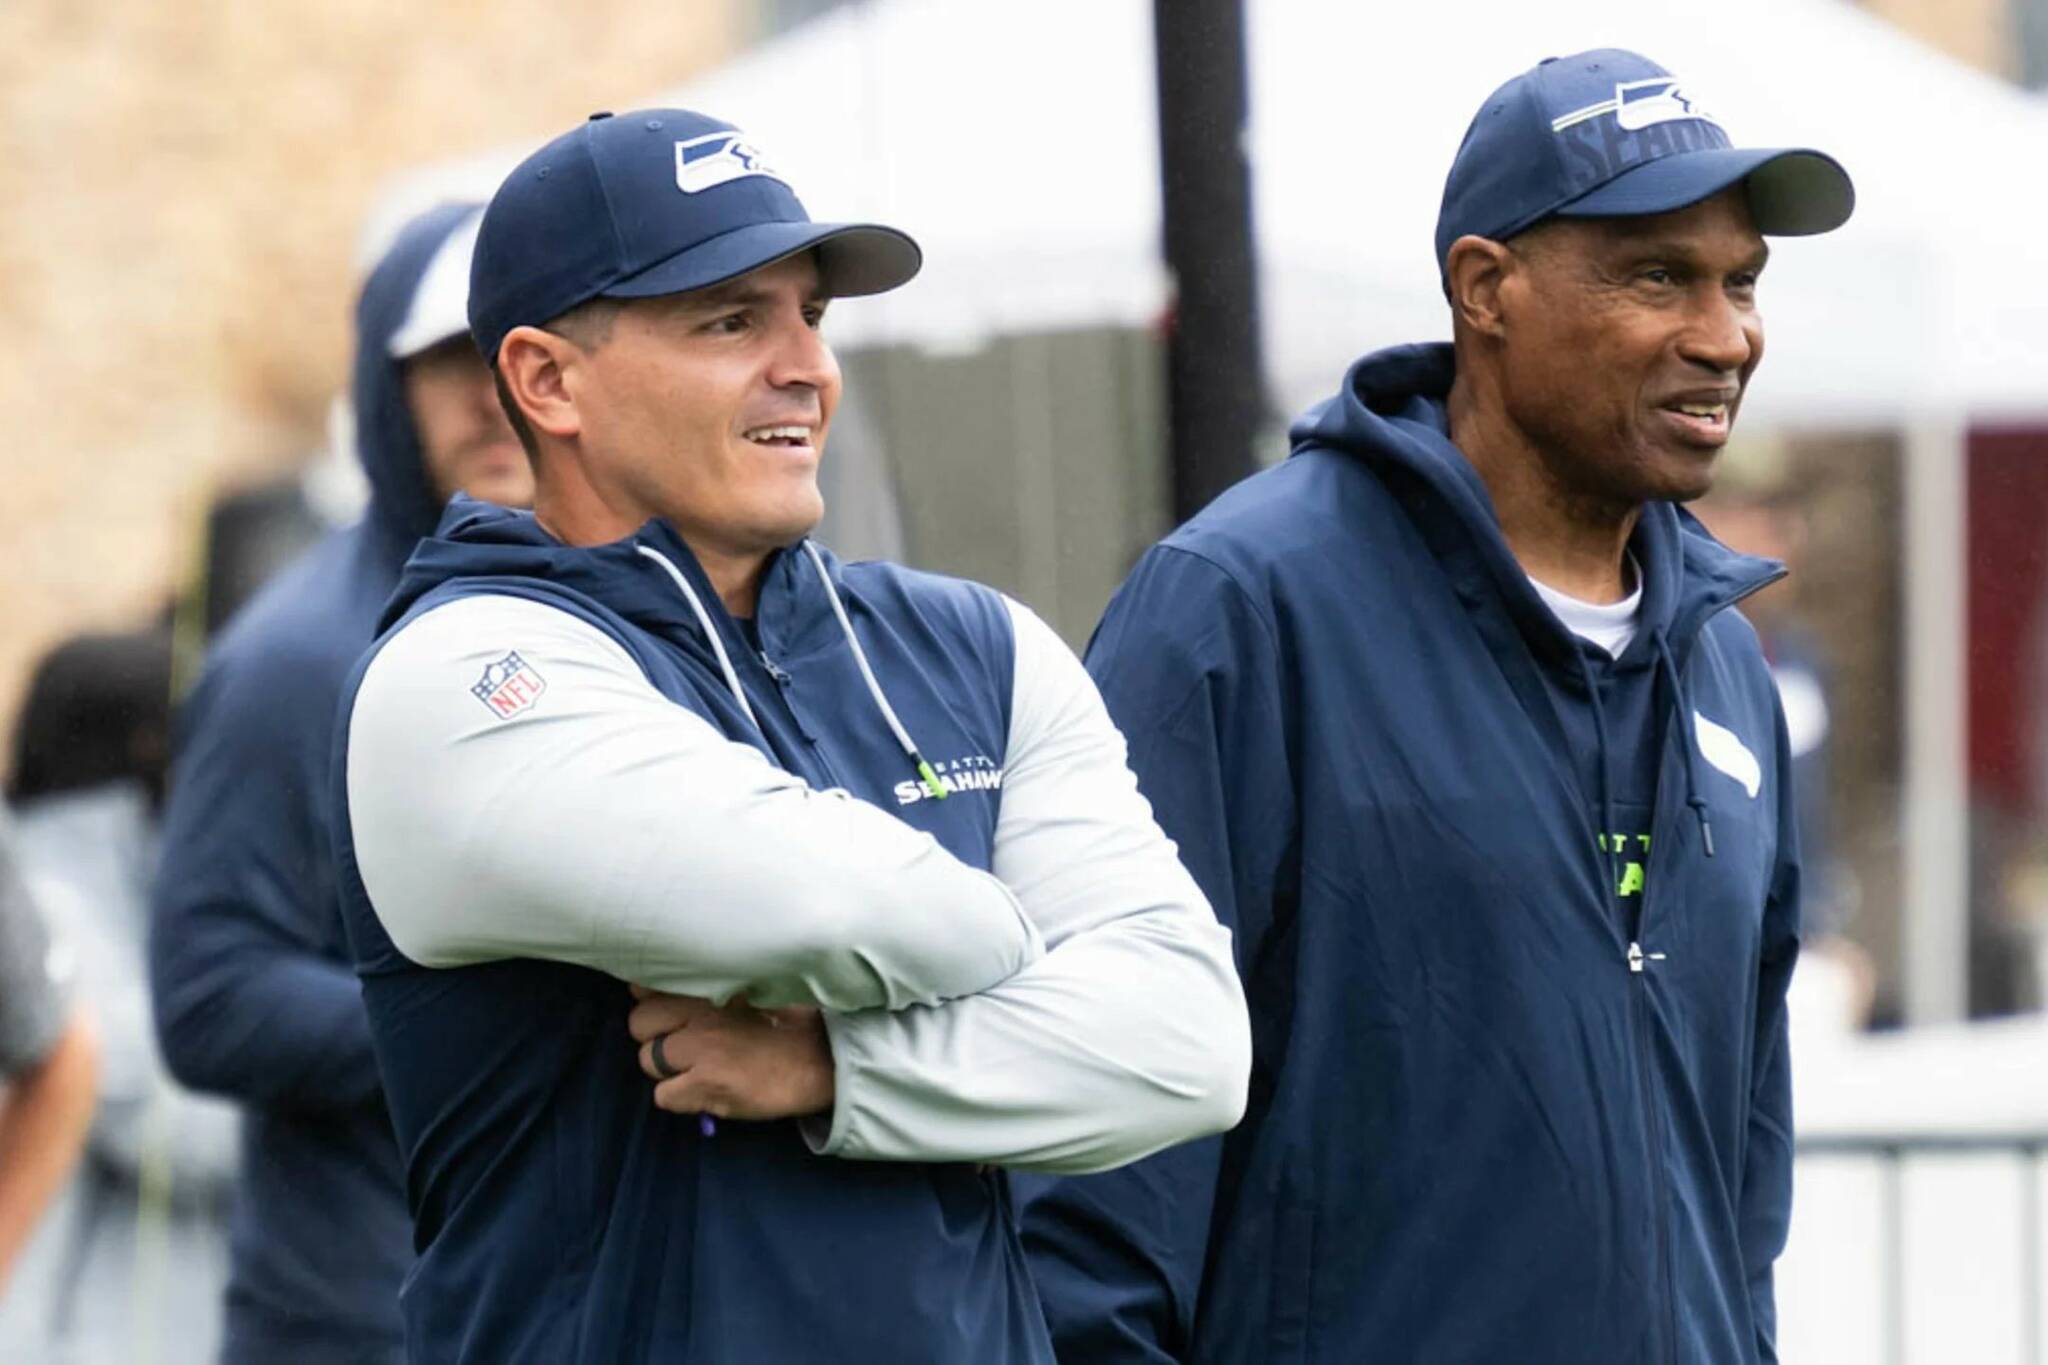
(862, 838)
(1452, 719)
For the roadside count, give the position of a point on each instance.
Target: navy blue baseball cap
(1610, 134)
(659, 201)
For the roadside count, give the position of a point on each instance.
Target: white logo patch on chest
(976, 774)
(1723, 748)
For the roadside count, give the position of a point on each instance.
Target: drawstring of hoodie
(1683, 709)
(924, 770)
(732, 678)
(860, 657)
(1610, 837)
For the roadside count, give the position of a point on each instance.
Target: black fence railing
(1891, 1153)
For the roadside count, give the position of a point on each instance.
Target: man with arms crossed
(1454, 722)
(651, 734)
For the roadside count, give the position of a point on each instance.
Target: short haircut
(589, 325)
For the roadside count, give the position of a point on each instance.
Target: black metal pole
(1214, 390)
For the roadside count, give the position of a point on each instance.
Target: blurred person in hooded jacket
(256, 996)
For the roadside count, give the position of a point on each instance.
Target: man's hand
(736, 1062)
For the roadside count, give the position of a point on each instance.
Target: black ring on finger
(659, 1058)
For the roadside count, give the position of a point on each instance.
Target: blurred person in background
(256, 997)
(253, 534)
(2009, 853)
(143, 1223)
(1451, 718)
(1756, 510)
(47, 1063)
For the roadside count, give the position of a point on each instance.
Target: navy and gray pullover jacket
(254, 993)
(1520, 1089)
(566, 768)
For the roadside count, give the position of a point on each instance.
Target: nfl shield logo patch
(509, 686)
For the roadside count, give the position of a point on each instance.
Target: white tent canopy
(1934, 298)
(1019, 145)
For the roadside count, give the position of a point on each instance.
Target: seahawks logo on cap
(1639, 104)
(717, 158)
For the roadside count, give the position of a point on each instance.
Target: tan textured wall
(1979, 32)
(181, 187)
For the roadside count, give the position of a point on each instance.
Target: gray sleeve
(605, 826)
(32, 976)
(1129, 1035)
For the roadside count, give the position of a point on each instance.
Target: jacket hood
(1391, 414)
(652, 580)
(483, 540)
(402, 499)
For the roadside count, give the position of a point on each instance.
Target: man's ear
(534, 365)
(1474, 271)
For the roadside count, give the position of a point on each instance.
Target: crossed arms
(1073, 1011)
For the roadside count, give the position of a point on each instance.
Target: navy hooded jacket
(561, 1216)
(1520, 1091)
(255, 994)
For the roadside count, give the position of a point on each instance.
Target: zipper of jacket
(1638, 961)
(779, 675)
(1665, 830)
(784, 682)
(785, 689)
(1654, 1139)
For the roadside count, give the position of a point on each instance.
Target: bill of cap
(1793, 192)
(853, 259)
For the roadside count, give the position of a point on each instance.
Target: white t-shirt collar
(1610, 625)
